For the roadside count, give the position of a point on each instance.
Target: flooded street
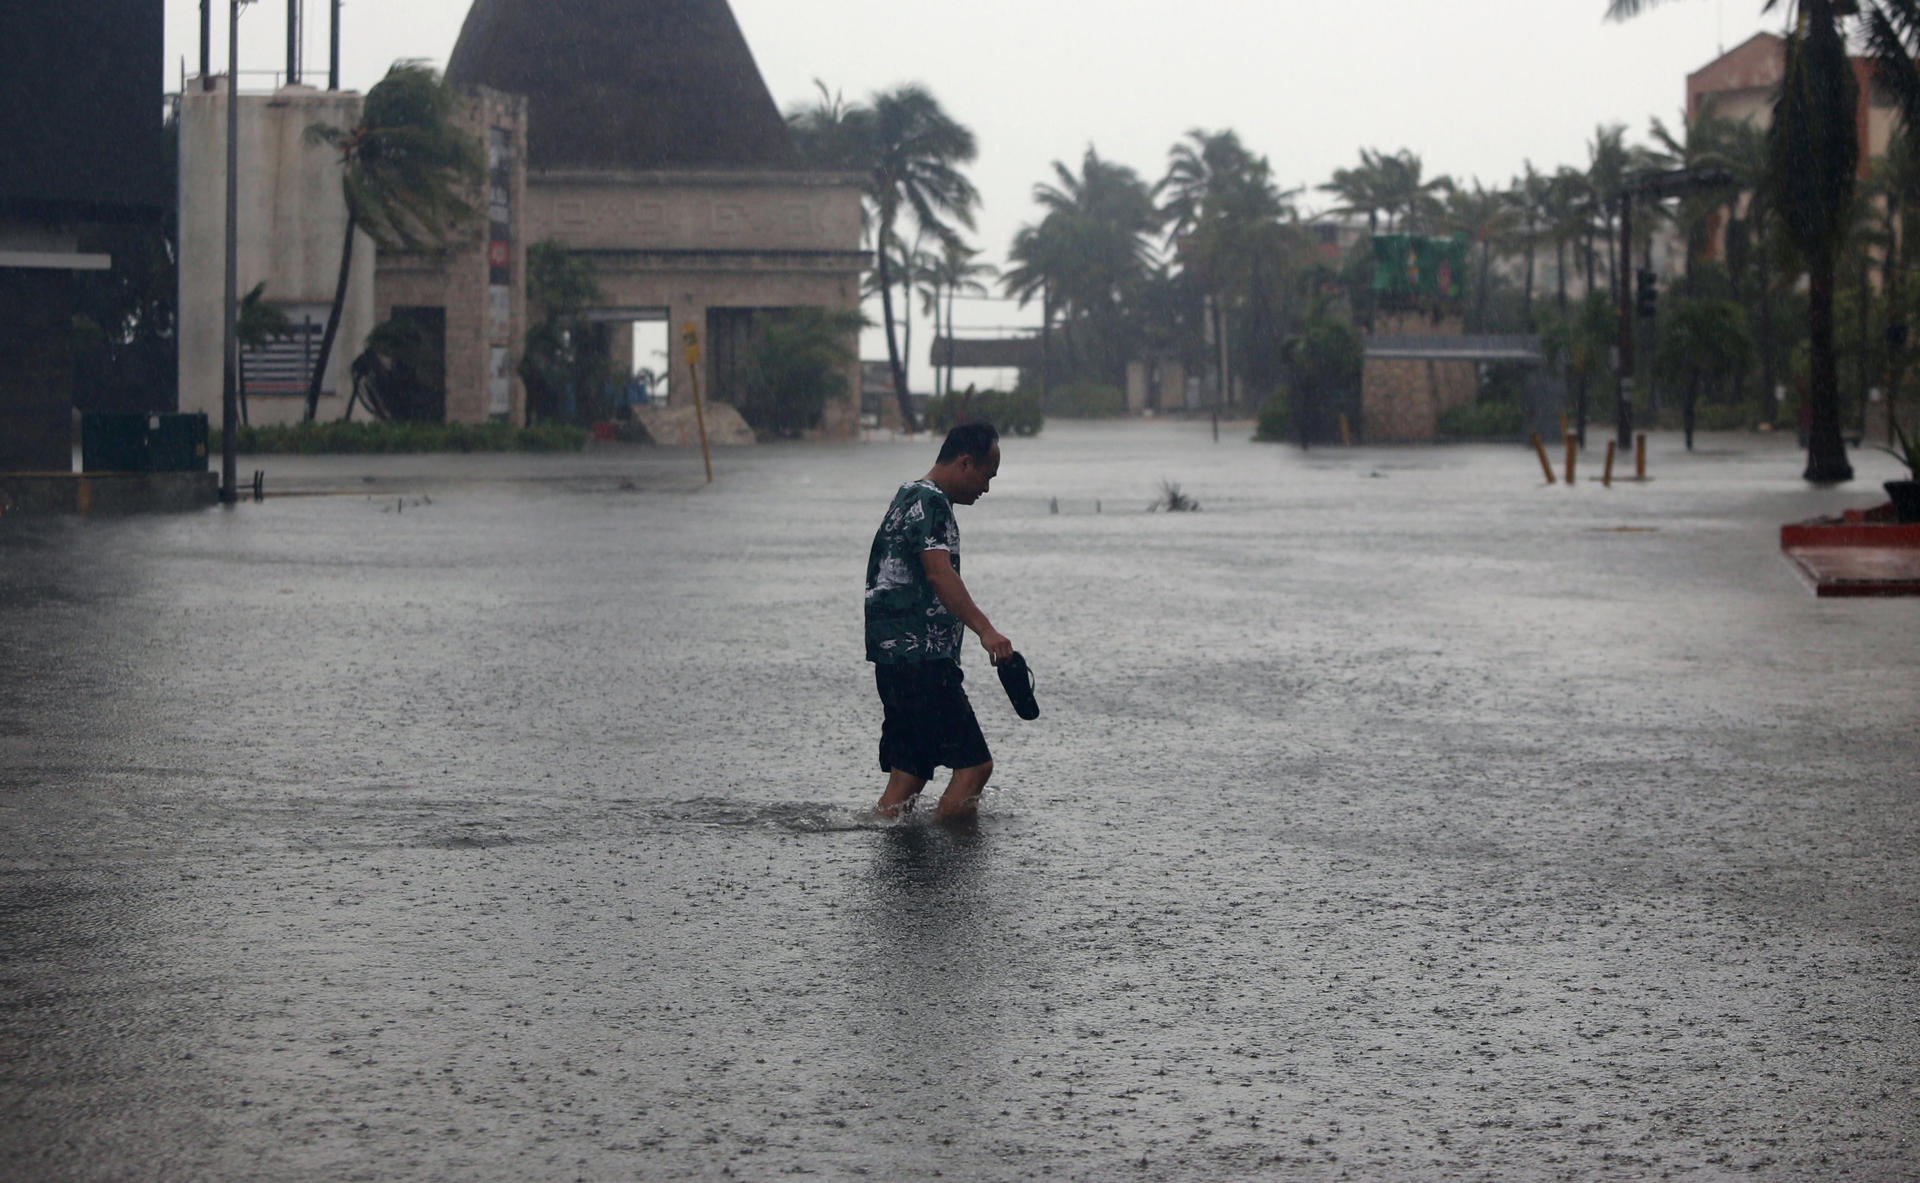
(1395, 816)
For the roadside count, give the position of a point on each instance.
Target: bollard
(1540, 450)
(1640, 457)
(1346, 433)
(1563, 424)
(1606, 475)
(1573, 446)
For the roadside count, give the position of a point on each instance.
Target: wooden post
(1573, 447)
(1540, 450)
(690, 337)
(1640, 457)
(1606, 476)
(1346, 432)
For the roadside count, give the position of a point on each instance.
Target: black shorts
(929, 721)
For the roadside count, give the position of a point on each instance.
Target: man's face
(976, 475)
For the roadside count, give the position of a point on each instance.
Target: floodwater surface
(1394, 816)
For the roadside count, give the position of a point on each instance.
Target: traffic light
(1646, 295)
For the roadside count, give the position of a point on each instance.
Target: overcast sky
(1493, 84)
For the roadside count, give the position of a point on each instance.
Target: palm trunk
(1769, 380)
(1826, 452)
(1526, 300)
(1560, 274)
(900, 392)
(950, 339)
(1896, 317)
(333, 317)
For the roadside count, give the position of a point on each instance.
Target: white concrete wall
(291, 219)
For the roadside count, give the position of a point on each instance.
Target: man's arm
(947, 585)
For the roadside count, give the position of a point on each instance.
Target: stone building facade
(474, 295)
(657, 154)
(1402, 401)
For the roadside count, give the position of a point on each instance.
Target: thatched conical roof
(626, 84)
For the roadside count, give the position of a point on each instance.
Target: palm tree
(1039, 256)
(1702, 341)
(1813, 152)
(1608, 161)
(1701, 143)
(916, 150)
(257, 322)
(409, 175)
(910, 152)
(1530, 198)
(953, 274)
(1485, 216)
(1233, 230)
(1107, 217)
(1412, 202)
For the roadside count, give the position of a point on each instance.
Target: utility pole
(333, 46)
(230, 365)
(293, 42)
(1623, 403)
(206, 44)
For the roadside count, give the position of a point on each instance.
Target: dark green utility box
(177, 443)
(113, 441)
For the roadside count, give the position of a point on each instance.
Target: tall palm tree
(1529, 196)
(1232, 227)
(1813, 152)
(1038, 257)
(1107, 214)
(953, 274)
(1485, 216)
(917, 150)
(1413, 202)
(1701, 142)
(410, 177)
(1608, 162)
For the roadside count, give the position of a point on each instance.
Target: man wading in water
(916, 607)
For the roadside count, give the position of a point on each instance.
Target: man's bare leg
(962, 797)
(902, 788)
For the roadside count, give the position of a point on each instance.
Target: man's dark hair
(968, 439)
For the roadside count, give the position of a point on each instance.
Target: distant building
(292, 218)
(81, 144)
(655, 151)
(1743, 83)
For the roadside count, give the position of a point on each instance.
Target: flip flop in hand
(1018, 679)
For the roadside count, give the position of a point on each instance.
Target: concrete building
(81, 144)
(292, 218)
(1741, 84)
(658, 154)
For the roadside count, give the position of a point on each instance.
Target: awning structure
(1518, 347)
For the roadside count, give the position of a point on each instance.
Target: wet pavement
(1393, 817)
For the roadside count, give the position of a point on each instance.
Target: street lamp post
(230, 353)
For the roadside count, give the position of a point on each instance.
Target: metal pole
(333, 58)
(293, 42)
(230, 372)
(206, 43)
(1623, 404)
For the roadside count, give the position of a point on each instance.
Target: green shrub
(313, 439)
(799, 363)
(1086, 400)
(1483, 421)
(1275, 420)
(1017, 413)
